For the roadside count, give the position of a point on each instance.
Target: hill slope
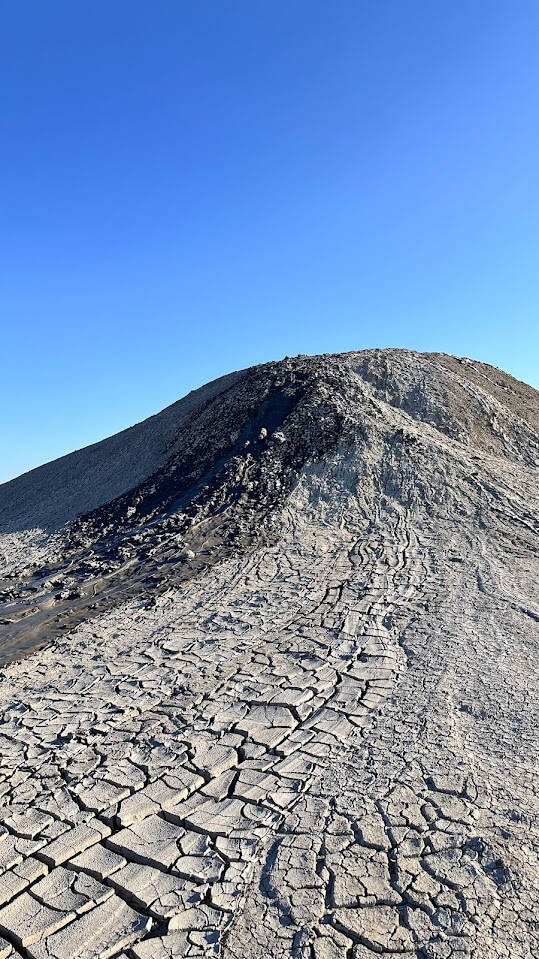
(288, 705)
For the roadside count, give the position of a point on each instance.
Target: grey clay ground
(288, 702)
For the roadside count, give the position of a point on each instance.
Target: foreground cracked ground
(323, 747)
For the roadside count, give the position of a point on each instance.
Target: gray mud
(286, 704)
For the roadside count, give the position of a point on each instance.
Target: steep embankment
(298, 716)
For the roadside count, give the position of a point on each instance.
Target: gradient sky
(193, 186)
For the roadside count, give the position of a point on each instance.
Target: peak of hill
(465, 400)
(285, 630)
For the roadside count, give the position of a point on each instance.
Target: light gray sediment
(322, 742)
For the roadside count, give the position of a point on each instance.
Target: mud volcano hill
(270, 673)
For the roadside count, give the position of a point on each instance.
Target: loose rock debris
(319, 739)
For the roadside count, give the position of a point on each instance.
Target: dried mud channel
(317, 736)
(43, 606)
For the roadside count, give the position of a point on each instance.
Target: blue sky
(193, 186)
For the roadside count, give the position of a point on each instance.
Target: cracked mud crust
(284, 699)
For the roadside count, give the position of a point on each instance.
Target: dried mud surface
(278, 698)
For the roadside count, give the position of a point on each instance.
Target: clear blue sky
(193, 186)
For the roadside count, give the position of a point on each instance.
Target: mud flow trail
(285, 700)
